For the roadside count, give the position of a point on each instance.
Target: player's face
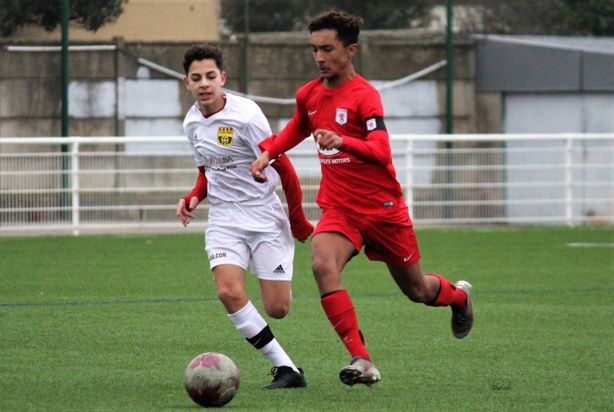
(205, 81)
(334, 60)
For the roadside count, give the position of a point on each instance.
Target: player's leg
(257, 332)
(417, 287)
(435, 290)
(330, 253)
(393, 241)
(272, 259)
(254, 328)
(276, 297)
(272, 255)
(230, 281)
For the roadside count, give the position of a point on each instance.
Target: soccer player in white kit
(247, 226)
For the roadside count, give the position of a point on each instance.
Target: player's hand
(258, 167)
(305, 232)
(327, 140)
(184, 211)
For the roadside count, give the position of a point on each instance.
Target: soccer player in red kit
(362, 201)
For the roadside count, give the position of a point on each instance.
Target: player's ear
(186, 82)
(223, 78)
(352, 48)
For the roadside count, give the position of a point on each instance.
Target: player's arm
(295, 132)
(300, 226)
(187, 204)
(289, 137)
(273, 146)
(376, 147)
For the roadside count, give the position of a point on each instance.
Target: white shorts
(257, 237)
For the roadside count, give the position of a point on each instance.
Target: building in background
(551, 84)
(148, 21)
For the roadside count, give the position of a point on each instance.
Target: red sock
(449, 295)
(341, 313)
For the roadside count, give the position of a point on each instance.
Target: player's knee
(229, 296)
(277, 311)
(317, 266)
(321, 267)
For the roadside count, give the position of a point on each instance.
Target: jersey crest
(224, 136)
(342, 116)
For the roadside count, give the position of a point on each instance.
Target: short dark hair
(202, 52)
(346, 25)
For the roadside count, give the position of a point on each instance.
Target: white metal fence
(103, 184)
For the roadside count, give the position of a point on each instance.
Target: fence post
(569, 182)
(75, 188)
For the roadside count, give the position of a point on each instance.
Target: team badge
(342, 116)
(224, 136)
(371, 124)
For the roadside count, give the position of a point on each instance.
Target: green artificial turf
(109, 323)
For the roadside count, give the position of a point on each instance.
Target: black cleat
(286, 377)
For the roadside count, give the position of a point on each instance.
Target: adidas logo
(279, 269)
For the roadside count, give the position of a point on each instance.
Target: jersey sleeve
(256, 129)
(188, 129)
(291, 135)
(376, 147)
(200, 188)
(299, 225)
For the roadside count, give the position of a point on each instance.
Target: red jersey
(360, 176)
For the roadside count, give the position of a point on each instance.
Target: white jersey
(226, 144)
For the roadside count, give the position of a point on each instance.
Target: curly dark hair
(202, 52)
(346, 25)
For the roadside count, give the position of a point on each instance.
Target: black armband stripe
(375, 123)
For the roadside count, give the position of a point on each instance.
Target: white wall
(560, 113)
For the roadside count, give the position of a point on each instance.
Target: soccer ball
(212, 380)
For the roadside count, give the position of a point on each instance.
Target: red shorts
(387, 238)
